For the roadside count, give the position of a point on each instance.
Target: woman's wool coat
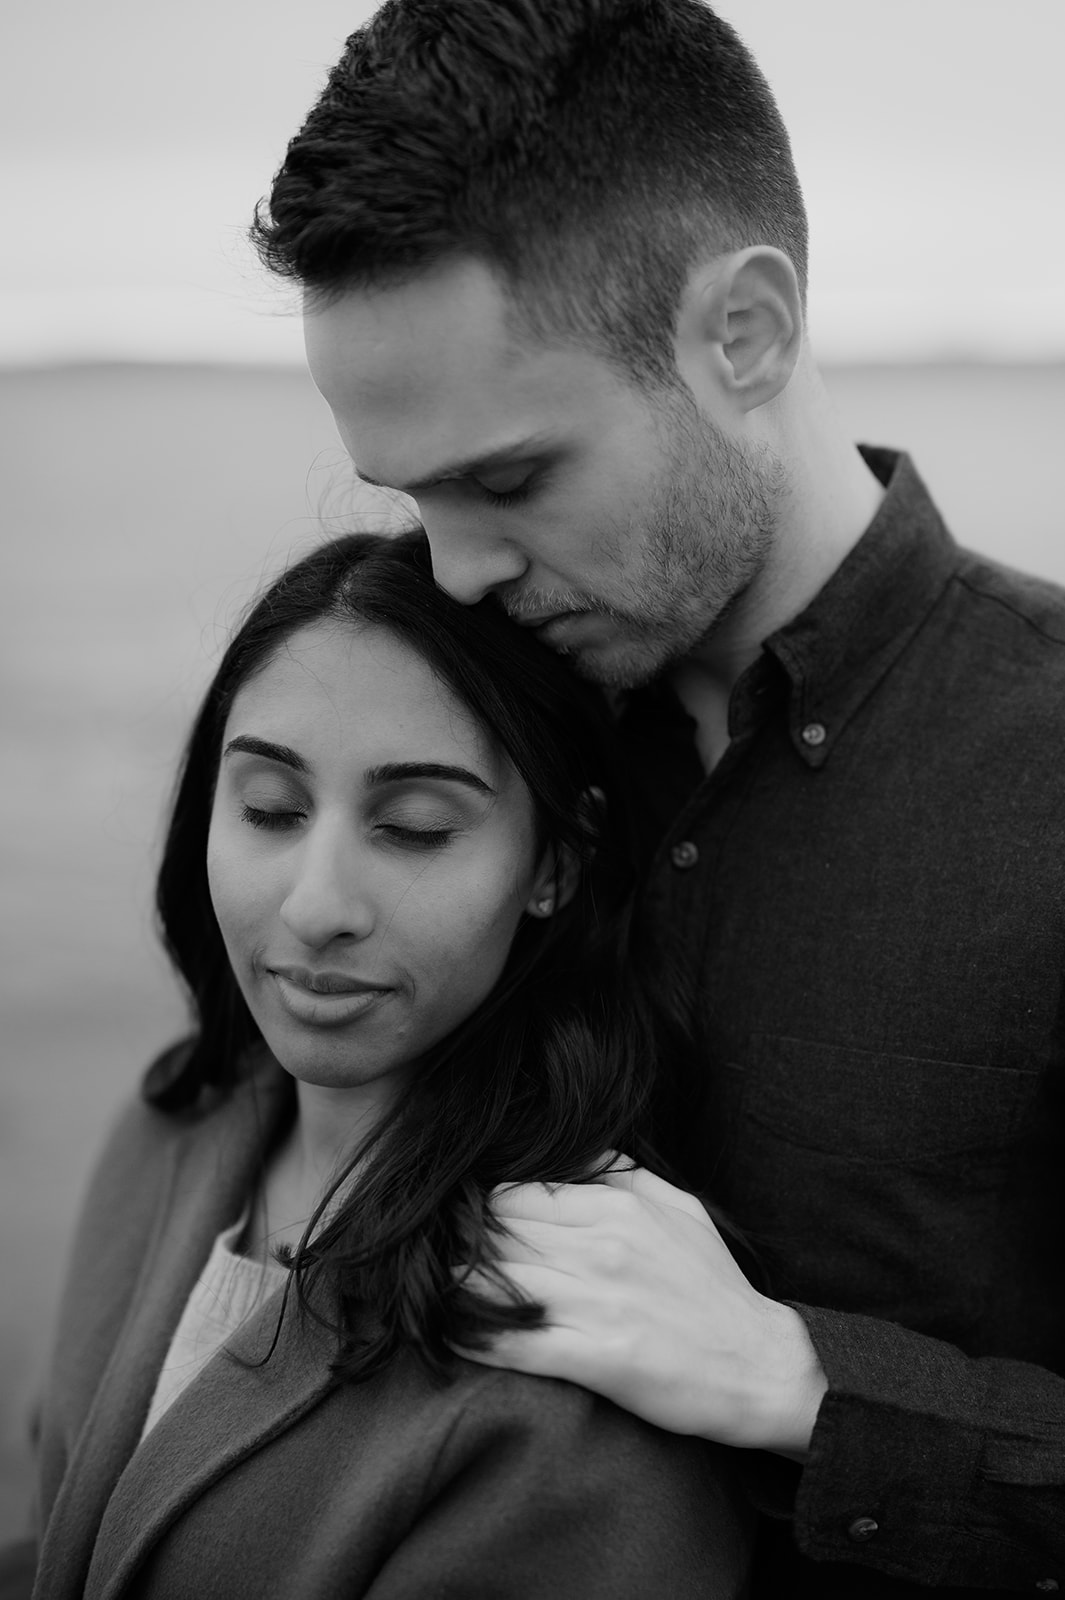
(274, 1479)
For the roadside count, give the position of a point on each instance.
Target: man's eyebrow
(399, 771)
(247, 744)
(461, 469)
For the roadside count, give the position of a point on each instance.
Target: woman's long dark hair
(554, 1069)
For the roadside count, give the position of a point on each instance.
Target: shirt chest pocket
(872, 1181)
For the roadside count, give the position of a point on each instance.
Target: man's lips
(533, 619)
(540, 619)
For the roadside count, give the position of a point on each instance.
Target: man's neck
(831, 499)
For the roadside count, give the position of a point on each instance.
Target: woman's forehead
(357, 688)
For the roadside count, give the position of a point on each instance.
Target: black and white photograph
(532, 626)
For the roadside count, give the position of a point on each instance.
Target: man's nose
(329, 894)
(470, 558)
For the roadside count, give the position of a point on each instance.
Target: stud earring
(545, 905)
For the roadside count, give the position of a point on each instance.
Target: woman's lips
(324, 999)
(326, 982)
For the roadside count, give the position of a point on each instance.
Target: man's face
(619, 522)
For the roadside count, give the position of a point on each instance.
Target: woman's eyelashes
(418, 838)
(258, 817)
(414, 834)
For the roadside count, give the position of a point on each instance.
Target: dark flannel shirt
(868, 893)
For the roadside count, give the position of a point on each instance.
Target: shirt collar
(823, 665)
(836, 651)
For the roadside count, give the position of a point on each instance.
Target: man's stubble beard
(705, 535)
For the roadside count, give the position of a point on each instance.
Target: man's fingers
(556, 1289)
(579, 1205)
(528, 1240)
(638, 1181)
(572, 1205)
(545, 1352)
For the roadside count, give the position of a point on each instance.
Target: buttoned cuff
(893, 1452)
(893, 1479)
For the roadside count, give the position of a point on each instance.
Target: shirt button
(814, 733)
(684, 854)
(863, 1528)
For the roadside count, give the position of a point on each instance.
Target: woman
(394, 883)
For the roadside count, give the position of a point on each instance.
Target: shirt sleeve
(546, 1492)
(930, 1465)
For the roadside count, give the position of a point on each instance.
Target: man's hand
(646, 1306)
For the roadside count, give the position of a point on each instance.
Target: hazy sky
(134, 139)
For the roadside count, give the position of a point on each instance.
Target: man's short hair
(589, 152)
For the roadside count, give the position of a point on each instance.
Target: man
(554, 255)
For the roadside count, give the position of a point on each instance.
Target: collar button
(684, 854)
(814, 734)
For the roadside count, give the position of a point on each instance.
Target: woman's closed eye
(399, 833)
(418, 836)
(275, 818)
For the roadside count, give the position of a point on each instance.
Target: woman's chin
(331, 1063)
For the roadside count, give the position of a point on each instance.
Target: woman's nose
(328, 896)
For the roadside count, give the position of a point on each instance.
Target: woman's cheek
(240, 886)
(447, 938)
(489, 931)
(488, 904)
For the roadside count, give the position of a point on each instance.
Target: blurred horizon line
(257, 325)
(20, 367)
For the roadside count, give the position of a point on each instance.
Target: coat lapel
(205, 1175)
(238, 1404)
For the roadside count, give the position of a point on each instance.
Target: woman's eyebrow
(247, 744)
(397, 771)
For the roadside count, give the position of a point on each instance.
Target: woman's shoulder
(544, 1474)
(550, 1415)
(549, 1430)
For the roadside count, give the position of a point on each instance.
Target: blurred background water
(162, 449)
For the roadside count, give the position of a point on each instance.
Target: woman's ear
(556, 881)
(559, 875)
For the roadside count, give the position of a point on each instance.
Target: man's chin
(621, 663)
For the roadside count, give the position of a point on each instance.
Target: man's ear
(559, 874)
(740, 327)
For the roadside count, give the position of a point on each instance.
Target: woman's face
(370, 855)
